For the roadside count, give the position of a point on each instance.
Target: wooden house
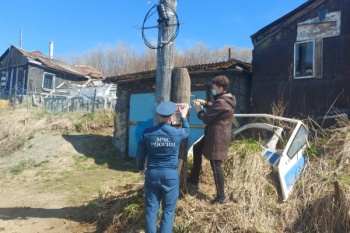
(32, 73)
(301, 61)
(136, 99)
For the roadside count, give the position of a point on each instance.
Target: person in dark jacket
(217, 135)
(159, 149)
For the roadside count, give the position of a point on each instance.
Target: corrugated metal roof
(89, 71)
(225, 65)
(81, 70)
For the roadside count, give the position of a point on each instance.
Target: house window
(304, 59)
(48, 81)
(3, 80)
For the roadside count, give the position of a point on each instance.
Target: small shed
(136, 99)
(32, 73)
(302, 60)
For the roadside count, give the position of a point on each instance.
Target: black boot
(219, 182)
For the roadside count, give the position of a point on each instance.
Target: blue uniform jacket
(160, 145)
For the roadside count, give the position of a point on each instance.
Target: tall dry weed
(318, 203)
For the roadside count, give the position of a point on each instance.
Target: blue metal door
(196, 125)
(141, 116)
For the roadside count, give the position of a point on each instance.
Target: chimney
(51, 50)
(229, 54)
(20, 38)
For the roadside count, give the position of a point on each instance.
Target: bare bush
(123, 58)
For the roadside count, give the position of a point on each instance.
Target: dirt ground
(45, 184)
(50, 173)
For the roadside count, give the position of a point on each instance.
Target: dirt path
(44, 184)
(25, 210)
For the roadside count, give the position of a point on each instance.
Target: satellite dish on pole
(160, 13)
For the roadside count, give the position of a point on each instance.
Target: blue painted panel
(141, 114)
(141, 106)
(274, 157)
(133, 140)
(271, 157)
(193, 113)
(267, 154)
(195, 134)
(293, 174)
(135, 135)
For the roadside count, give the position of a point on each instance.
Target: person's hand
(202, 102)
(184, 110)
(197, 105)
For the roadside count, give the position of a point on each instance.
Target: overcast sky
(77, 26)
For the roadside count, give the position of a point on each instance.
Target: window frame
(313, 59)
(3, 80)
(53, 82)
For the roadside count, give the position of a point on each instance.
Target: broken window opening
(304, 59)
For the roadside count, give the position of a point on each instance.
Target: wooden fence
(64, 104)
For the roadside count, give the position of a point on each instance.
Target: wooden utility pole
(178, 88)
(181, 93)
(165, 58)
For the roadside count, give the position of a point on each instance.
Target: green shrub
(79, 127)
(21, 166)
(20, 144)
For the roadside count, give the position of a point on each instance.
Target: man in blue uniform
(159, 148)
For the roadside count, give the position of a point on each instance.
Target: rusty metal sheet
(314, 29)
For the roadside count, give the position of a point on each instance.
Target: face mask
(213, 91)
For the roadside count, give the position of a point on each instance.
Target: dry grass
(4, 104)
(45, 162)
(319, 202)
(18, 124)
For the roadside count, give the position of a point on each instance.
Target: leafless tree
(123, 58)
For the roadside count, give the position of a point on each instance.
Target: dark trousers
(215, 166)
(161, 185)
